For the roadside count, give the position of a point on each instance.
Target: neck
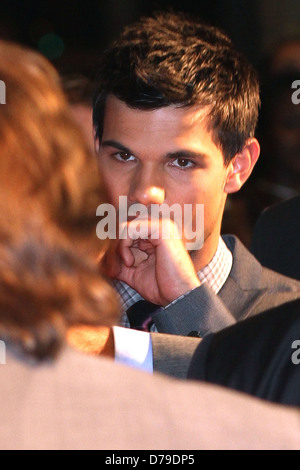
(93, 340)
(202, 257)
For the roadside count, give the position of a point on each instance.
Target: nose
(146, 188)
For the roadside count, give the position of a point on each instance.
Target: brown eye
(182, 162)
(124, 157)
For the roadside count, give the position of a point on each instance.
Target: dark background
(82, 28)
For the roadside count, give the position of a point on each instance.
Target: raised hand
(158, 267)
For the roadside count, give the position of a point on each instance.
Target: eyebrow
(186, 154)
(117, 145)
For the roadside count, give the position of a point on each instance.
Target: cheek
(116, 185)
(210, 193)
(203, 189)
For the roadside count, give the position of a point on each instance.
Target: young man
(175, 116)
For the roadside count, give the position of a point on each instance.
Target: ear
(96, 141)
(96, 145)
(241, 166)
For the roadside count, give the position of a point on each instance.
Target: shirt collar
(216, 272)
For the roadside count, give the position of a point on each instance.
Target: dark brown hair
(170, 59)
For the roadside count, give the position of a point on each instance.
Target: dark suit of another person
(276, 238)
(259, 356)
(249, 290)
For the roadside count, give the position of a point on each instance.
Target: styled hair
(50, 189)
(170, 59)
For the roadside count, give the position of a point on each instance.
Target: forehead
(163, 127)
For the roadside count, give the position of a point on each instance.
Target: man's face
(164, 156)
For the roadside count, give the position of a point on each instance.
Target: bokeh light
(52, 46)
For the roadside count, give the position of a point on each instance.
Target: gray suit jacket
(81, 402)
(249, 290)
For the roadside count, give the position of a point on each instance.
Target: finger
(139, 256)
(126, 274)
(125, 252)
(153, 230)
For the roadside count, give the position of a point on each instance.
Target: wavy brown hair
(50, 189)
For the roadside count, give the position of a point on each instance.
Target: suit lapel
(245, 285)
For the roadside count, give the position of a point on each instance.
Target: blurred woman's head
(50, 190)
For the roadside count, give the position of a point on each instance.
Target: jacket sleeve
(172, 354)
(200, 311)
